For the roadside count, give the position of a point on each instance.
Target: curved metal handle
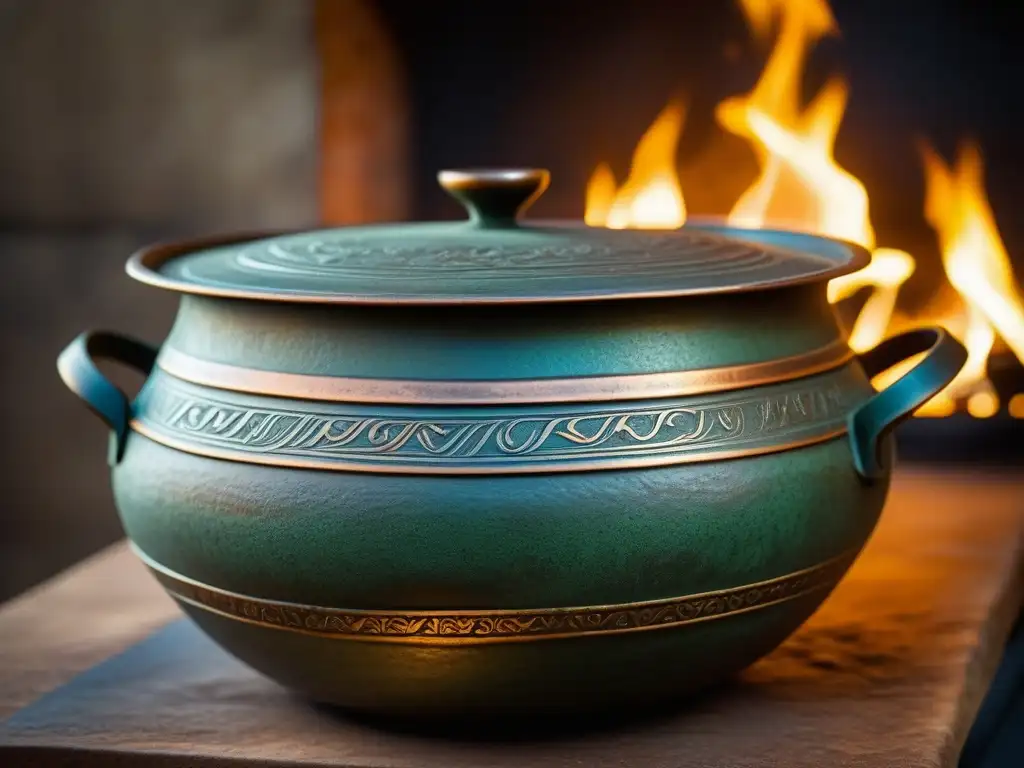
(873, 420)
(495, 198)
(77, 368)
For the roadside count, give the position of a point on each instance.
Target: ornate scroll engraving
(335, 436)
(496, 626)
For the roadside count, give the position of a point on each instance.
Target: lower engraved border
(491, 626)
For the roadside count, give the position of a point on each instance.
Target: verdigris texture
(492, 468)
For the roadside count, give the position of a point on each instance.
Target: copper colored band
(642, 386)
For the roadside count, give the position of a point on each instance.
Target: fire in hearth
(801, 186)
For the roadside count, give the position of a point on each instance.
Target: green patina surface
(512, 341)
(361, 540)
(532, 261)
(398, 542)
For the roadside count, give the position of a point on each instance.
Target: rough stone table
(889, 672)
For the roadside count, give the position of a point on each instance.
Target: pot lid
(494, 258)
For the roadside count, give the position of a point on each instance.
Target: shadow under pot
(501, 467)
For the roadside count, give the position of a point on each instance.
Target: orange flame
(801, 186)
(888, 270)
(652, 195)
(977, 266)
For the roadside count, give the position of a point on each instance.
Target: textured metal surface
(493, 259)
(943, 358)
(458, 263)
(79, 372)
(503, 342)
(377, 542)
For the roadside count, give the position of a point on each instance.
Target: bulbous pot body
(524, 594)
(503, 507)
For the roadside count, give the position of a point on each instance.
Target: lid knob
(495, 197)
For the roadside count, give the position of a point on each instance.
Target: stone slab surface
(890, 671)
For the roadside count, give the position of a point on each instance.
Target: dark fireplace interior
(570, 85)
(123, 125)
(566, 85)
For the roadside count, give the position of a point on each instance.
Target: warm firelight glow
(1016, 406)
(800, 183)
(652, 195)
(973, 254)
(888, 270)
(977, 266)
(800, 186)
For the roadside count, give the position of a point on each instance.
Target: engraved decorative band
(501, 392)
(492, 441)
(489, 626)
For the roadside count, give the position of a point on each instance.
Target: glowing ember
(1016, 406)
(801, 186)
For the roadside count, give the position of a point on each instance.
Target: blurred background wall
(124, 121)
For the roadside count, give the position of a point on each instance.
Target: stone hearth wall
(125, 121)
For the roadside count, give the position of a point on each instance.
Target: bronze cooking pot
(497, 466)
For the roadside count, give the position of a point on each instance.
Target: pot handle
(870, 422)
(77, 368)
